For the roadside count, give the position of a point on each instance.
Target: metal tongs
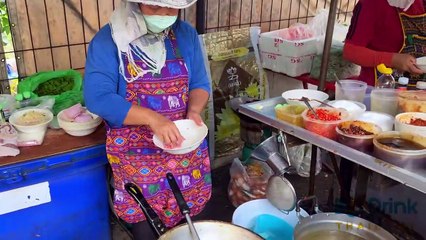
(306, 101)
(316, 100)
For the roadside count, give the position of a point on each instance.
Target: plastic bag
(64, 85)
(233, 61)
(300, 159)
(297, 31)
(318, 24)
(248, 182)
(45, 102)
(8, 140)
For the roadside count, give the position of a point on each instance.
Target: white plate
(383, 120)
(421, 63)
(308, 93)
(245, 215)
(193, 134)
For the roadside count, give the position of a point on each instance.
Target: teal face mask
(157, 23)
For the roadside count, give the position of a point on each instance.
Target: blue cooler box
(59, 197)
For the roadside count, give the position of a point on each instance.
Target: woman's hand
(406, 63)
(196, 117)
(166, 131)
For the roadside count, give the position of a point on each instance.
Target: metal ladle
(183, 206)
(279, 191)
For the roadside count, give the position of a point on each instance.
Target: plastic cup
(353, 90)
(367, 98)
(385, 101)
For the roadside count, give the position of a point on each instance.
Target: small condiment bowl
(409, 159)
(354, 108)
(363, 143)
(324, 128)
(402, 123)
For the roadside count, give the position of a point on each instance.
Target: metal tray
(263, 111)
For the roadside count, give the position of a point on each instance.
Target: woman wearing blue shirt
(143, 71)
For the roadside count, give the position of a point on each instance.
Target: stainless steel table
(263, 111)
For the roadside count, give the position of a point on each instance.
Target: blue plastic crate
(78, 208)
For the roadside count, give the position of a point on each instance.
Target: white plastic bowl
(78, 129)
(291, 95)
(383, 120)
(402, 120)
(245, 215)
(193, 134)
(354, 108)
(421, 63)
(35, 128)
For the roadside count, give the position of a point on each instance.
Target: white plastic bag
(318, 24)
(8, 140)
(300, 159)
(297, 31)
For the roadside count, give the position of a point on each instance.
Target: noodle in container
(33, 120)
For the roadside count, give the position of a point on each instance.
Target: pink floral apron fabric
(134, 157)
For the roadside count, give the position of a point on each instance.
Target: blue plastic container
(272, 228)
(78, 208)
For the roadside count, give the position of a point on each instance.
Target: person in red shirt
(392, 32)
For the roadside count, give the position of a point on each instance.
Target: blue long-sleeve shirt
(105, 88)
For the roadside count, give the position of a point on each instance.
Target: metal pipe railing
(327, 43)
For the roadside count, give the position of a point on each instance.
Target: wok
(207, 230)
(336, 226)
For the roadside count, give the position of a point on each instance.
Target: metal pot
(206, 230)
(210, 230)
(336, 226)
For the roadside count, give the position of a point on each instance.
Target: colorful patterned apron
(414, 30)
(134, 157)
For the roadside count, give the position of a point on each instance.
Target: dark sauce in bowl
(400, 143)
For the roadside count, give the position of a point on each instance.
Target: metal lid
(281, 194)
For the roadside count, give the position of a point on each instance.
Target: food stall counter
(56, 142)
(263, 111)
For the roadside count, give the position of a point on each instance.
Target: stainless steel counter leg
(363, 176)
(346, 171)
(312, 171)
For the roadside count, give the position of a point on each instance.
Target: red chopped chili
(418, 122)
(324, 115)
